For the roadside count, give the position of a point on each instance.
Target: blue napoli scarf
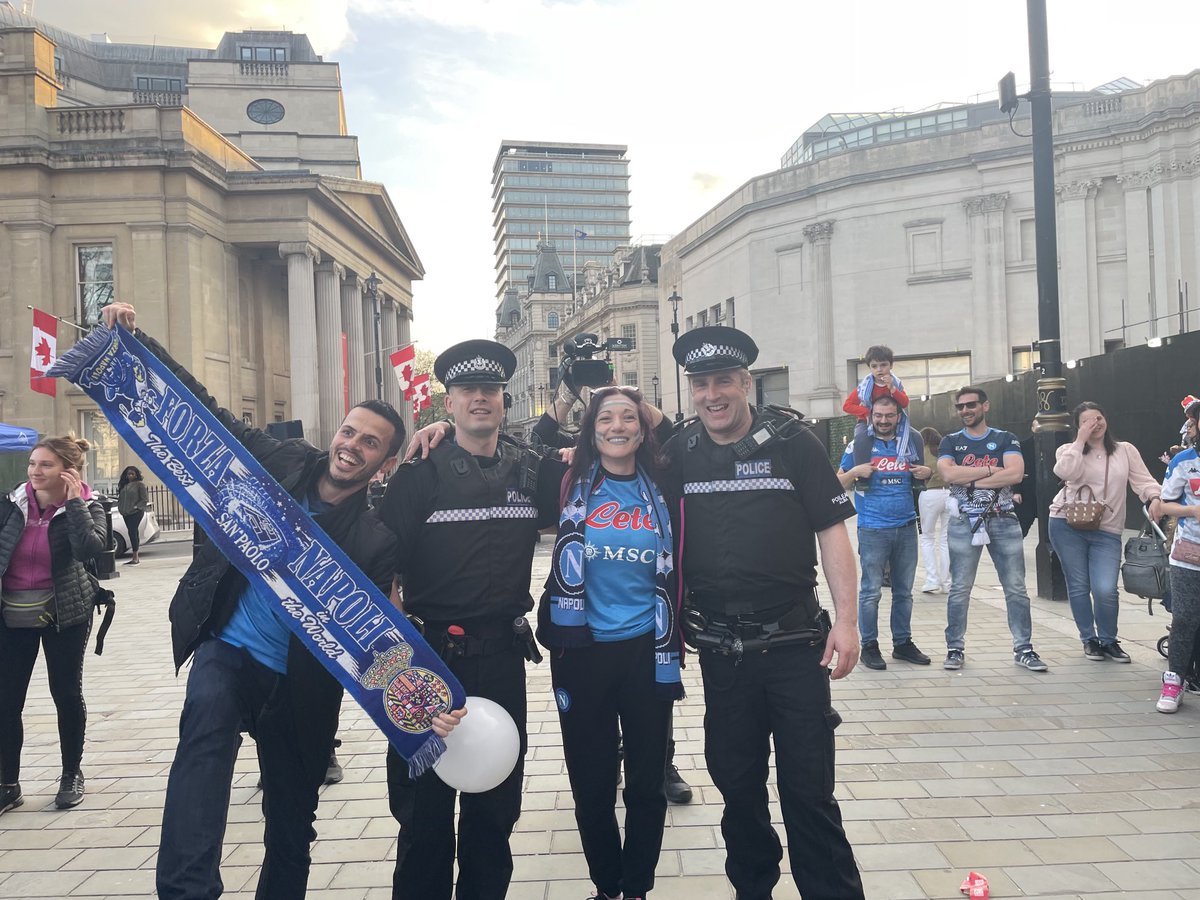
(866, 387)
(566, 591)
(324, 598)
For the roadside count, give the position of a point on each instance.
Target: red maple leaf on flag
(43, 352)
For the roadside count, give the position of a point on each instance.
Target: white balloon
(482, 749)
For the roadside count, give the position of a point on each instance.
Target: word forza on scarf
(324, 598)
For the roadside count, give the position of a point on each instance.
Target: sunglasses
(968, 405)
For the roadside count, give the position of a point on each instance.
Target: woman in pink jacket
(1092, 559)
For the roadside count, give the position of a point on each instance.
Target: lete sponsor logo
(610, 515)
(889, 464)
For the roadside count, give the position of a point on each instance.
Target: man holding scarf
(757, 495)
(887, 526)
(466, 520)
(249, 673)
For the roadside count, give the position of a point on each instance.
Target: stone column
(989, 311)
(359, 346)
(404, 323)
(302, 337)
(820, 236)
(329, 347)
(1079, 301)
(391, 387)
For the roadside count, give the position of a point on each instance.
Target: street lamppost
(541, 399)
(675, 300)
(654, 381)
(373, 292)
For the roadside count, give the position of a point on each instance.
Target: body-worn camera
(585, 370)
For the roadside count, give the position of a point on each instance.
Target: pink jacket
(1125, 469)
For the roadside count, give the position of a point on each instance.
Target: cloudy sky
(705, 101)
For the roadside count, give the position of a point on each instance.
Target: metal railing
(167, 509)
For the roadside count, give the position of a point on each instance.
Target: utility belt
(481, 637)
(736, 635)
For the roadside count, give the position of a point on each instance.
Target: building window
(629, 333)
(552, 352)
(925, 251)
(689, 324)
(629, 378)
(146, 83)
(929, 374)
(730, 311)
(552, 317)
(702, 318)
(715, 314)
(264, 54)
(94, 263)
(551, 282)
(103, 462)
(771, 387)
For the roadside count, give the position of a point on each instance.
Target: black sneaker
(909, 653)
(1092, 649)
(70, 790)
(1114, 652)
(954, 659)
(678, 790)
(10, 797)
(1027, 659)
(871, 657)
(334, 773)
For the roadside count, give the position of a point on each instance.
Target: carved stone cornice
(296, 247)
(819, 232)
(1078, 190)
(1146, 178)
(330, 266)
(977, 206)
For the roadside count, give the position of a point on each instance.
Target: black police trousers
(594, 687)
(783, 693)
(425, 808)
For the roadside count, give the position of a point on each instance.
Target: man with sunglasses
(981, 465)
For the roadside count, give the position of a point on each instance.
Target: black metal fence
(168, 510)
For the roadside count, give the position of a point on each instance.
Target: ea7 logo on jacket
(752, 468)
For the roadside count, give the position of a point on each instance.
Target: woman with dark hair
(133, 500)
(49, 528)
(931, 504)
(1096, 465)
(609, 618)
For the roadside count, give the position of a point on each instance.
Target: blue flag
(324, 598)
(580, 233)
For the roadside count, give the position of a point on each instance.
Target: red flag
(402, 364)
(422, 398)
(45, 351)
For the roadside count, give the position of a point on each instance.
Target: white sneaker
(931, 587)
(1172, 693)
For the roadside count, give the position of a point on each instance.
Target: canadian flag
(402, 364)
(422, 399)
(45, 351)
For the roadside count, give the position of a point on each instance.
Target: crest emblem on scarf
(412, 696)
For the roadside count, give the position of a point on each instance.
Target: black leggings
(64, 668)
(133, 522)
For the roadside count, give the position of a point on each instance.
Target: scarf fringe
(425, 756)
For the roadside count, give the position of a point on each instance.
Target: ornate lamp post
(373, 292)
(675, 300)
(654, 381)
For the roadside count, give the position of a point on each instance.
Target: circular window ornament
(265, 112)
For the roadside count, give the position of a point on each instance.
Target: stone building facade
(246, 250)
(917, 231)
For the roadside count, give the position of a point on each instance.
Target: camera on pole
(584, 369)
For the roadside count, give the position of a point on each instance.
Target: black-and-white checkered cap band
(735, 355)
(477, 369)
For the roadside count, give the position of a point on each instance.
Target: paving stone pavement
(1062, 784)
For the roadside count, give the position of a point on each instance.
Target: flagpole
(64, 321)
(574, 263)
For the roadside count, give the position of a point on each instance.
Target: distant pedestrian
(931, 503)
(133, 502)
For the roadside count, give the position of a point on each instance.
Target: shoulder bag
(1085, 513)
(1145, 571)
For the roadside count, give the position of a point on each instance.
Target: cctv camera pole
(1051, 422)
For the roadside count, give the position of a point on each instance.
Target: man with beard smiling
(757, 495)
(981, 465)
(466, 520)
(887, 528)
(249, 672)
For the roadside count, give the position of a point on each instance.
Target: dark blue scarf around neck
(566, 590)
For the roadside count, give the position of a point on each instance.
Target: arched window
(552, 317)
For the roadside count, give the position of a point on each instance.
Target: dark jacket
(208, 591)
(77, 534)
(133, 498)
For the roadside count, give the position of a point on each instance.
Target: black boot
(678, 790)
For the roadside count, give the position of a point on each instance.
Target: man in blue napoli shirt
(887, 529)
(981, 464)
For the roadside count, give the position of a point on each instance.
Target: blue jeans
(229, 692)
(876, 548)
(1090, 561)
(1008, 555)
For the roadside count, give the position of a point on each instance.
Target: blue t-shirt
(1182, 485)
(887, 501)
(620, 560)
(256, 623)
(991, 448)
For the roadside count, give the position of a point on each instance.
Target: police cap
(714, 348)
(475, 362)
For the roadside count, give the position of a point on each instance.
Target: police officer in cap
(466, 520)
(759, 495)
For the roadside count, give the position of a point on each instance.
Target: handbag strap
(1088, 487)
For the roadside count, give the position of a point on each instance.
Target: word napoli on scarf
(567, 625)
(324, 598)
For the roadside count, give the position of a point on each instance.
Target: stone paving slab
(1064, 784)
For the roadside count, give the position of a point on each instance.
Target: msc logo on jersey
(752, 468)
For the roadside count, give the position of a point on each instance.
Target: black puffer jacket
(77, 534)
(208, 591)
